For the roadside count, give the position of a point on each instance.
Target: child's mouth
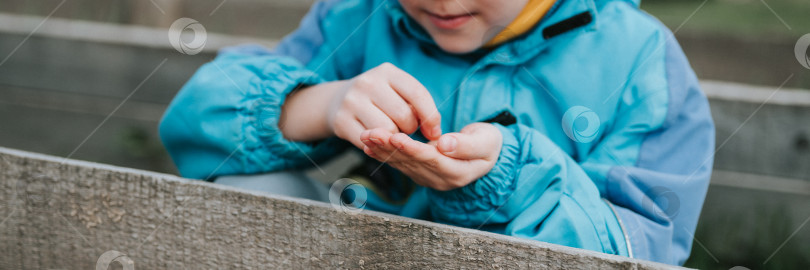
(449, 22)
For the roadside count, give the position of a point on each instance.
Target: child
(575, 122)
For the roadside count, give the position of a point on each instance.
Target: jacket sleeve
(225, 118)
(659, 194)
(535, 191)
(653, 163)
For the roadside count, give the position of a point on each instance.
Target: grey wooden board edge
(61, 212)
(109, 33)
(739, 92)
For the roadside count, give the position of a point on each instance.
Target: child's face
(462, 26)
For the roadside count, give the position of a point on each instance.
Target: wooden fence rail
(60, 213)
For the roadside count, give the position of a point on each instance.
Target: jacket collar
(522, 47)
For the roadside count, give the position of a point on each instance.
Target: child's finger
(460, 146)
(386, 156)
(413, 92)
(398, 111)
(473, 143)
(411, 148)
(365, 138)
(374, 117)
(371, 147)
(382, 154)
(367, 150)
(380, 138)
(350, 131)
(464, 146)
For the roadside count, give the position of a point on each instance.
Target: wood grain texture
(60, 213)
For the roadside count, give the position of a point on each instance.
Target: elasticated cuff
(264, 111)
(488, 192)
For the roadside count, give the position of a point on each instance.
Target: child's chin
(456, 47)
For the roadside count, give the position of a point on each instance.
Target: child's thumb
(462, 146)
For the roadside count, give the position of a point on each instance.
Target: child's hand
(455, 160)
(387, 98)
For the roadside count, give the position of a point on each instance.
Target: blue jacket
(605, 101)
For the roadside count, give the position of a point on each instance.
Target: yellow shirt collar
(528, 18)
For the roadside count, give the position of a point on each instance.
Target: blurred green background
(749, 41)
(57, 89)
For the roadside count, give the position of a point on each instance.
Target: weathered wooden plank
(59, 213)
(761, 130)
